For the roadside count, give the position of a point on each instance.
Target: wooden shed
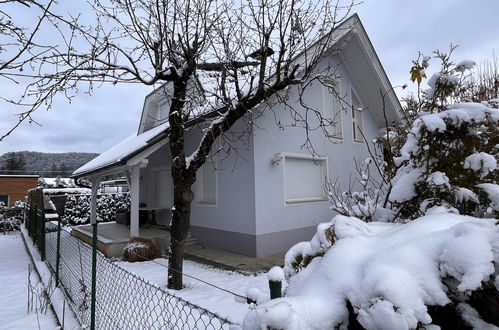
(15, 187)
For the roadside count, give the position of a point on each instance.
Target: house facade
(268, 192)
(15, 187)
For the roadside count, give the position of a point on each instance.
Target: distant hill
(42, 163)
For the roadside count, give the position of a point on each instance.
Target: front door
(163, 191)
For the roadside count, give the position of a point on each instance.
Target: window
(331, 109)
(163, 110)
(207, 183)
(304, 178)
(4, 199)
(357, 120)
(163, 188)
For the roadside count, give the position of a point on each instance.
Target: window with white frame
(304, 178)
(331, 108)
(357, 118)
(207, 183)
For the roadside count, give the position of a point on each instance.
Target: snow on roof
(61, 191)
(122, 150)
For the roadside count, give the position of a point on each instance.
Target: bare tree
(19, 47)
(216, 62)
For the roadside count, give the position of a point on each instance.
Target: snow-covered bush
(366, 197)
(140, 249)
(77, 207)
(446, 154)
(11, 218)
(57, 182)
(390, 276)
(450, 159)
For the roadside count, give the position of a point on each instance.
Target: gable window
(357, 119)
(304, 178)
(4, 200)
(331, 109)
(163, 109)
(206, 178)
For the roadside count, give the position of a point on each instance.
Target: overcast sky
(397, 29)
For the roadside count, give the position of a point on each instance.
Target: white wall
(251, 215)
(235, 188)
(272, 213)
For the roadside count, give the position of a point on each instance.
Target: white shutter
(304, 179)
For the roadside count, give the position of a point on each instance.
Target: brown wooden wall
(17, 187)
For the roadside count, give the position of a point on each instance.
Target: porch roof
(120, 153)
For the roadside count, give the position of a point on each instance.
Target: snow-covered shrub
(11, 218)
(450, 159)
(366, 197)
(390, 276)
(446, 154)
(140, 249)
(77, 208)
(57, 182)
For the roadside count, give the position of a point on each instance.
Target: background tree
(216, 61)
(14, 164)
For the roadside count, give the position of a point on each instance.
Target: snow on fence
(123, 300)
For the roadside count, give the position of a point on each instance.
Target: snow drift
(384, 275)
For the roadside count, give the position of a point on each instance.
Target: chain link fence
(123, 300)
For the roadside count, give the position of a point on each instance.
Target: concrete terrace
(112, 237)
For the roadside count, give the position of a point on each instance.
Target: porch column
(134, 201)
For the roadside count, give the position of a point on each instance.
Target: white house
(271, 194)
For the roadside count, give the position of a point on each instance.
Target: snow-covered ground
(14, 288)
(215, 300)
(389, 273)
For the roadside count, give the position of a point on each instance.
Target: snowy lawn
(14, 288)
(222, 303)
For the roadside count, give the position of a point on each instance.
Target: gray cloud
(398, 30)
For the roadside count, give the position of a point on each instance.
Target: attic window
(331, 109)
(357, 119)
(163, 109)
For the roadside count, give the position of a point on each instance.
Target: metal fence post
(58, 253)
(93, 221)
(94, 274)
(30, 221)
(275, 276)
(275, 289)
(42, 234)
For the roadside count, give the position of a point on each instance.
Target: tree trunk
(179, 228)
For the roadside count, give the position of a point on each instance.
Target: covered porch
(129, 159)
(112, 237)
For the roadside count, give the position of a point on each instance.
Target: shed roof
(123, 151)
